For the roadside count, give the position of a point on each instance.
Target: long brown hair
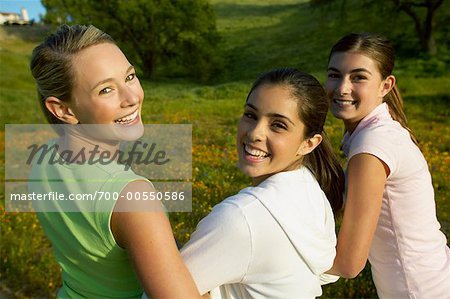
(380, 50)
(313, 105)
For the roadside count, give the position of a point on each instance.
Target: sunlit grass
(257, 36)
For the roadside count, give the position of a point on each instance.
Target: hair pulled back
(380, 50)
(313, 104)
(51, 62)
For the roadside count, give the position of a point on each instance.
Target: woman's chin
(128, 132)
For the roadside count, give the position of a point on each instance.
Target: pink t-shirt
(409, 255)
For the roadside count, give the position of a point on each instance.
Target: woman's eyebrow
(357, 70)
(333, 69)
(273, 115)
(131, 67)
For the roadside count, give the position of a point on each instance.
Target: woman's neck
(294, 166)
(351, 126)
(74, 142)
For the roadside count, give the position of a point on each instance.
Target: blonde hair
(380, 50)
(51, 62)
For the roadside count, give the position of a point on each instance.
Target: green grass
(257, 36)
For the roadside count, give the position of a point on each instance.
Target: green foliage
(319, 2)
(422, 16)
(171, 37)
(27, 263)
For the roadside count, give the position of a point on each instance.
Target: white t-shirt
(274, 240)
(409, 257)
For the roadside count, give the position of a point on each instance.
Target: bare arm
(366, 176)
(148, 238)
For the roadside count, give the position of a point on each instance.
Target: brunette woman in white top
(277, 238)
(390, 213)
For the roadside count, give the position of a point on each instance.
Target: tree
(177, 34)
(423, 25)
(422, 12)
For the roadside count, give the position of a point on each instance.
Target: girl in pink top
(390, 213)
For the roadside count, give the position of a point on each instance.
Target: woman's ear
(387, 85)
(309, 145)
(60, 110)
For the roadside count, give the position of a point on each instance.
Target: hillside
(257, 35)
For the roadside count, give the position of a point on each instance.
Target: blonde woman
(83, 78)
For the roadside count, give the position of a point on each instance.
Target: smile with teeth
(344, 102)
(127, 119)
(255, 152)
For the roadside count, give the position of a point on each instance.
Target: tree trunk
(429, 45)
(148, 63)
(428, 42)
(424, 28)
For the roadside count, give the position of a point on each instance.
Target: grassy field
(257, 36)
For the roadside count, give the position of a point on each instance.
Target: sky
(33, 7)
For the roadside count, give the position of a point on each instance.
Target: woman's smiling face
(106, 89)
(354, 86)
(270, 133)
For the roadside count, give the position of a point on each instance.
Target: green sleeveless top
(93, 265)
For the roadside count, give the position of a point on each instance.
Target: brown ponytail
(325, 166)
(395, 102)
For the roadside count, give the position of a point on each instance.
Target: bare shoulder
(365, 164)
(132, 212)
(143, 229)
